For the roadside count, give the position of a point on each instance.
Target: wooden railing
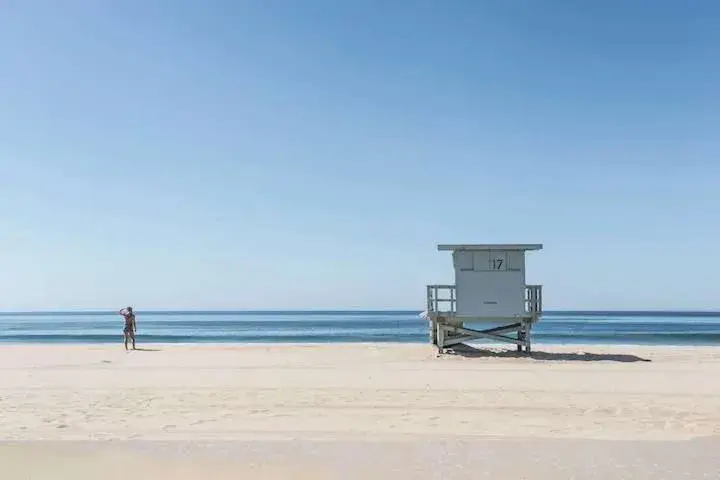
(533, 299)
(442, 299)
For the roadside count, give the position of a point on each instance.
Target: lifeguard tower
(489, 300)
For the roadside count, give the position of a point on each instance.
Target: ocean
(648, 328)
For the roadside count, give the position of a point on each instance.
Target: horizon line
(632, 312)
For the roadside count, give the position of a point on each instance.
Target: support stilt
(449, 335)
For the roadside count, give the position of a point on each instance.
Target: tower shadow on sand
(468, 351)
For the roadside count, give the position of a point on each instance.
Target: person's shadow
(141, 349)
(464, 350)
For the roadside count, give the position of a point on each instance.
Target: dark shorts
(128, 331)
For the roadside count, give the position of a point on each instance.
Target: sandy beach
(286, 411)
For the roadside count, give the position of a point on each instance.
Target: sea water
(650, 328)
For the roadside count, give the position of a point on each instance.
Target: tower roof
(490, 246)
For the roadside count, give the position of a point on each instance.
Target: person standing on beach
(129, 329)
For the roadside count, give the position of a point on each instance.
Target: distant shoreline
(588, 313)
(493, 347)
(538, 347)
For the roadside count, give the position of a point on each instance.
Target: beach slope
(367, 393)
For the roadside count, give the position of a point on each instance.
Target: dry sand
(358, 410)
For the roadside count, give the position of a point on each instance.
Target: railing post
(540, 299)
(428, 300)
(526, 299)
(533, 300)
(452, 300)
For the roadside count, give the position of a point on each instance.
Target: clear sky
(311, 154)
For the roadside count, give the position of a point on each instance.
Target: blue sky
(281, 154)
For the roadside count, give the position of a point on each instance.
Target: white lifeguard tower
(489, 300)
